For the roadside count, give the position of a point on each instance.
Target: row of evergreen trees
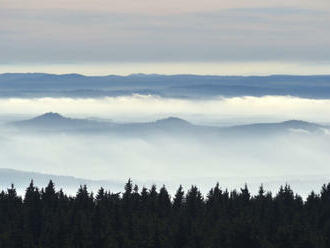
(151, 218)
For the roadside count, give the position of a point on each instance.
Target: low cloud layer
(172, 160)
(148, 107)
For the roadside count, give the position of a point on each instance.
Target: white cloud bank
(171, 159)
(167, 159)
(148, 107)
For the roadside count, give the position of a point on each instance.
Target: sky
(165, 36)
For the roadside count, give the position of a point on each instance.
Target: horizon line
(165, 75)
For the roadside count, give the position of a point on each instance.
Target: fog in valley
(116, 138)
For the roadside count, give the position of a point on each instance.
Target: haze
(140, 108)
(83, 60)
(301, 157)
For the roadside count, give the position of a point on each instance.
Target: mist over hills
(275, 128)
(54, 122)
(170, 150)
(69, 184)
(182, 86)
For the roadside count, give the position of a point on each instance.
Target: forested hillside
(152, 218)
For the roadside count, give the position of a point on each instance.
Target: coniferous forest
(152, 218)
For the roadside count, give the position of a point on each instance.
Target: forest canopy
(145, 218)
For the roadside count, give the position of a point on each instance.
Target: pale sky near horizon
(165, 36)
(173, 68)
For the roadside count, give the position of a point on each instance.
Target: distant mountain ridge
(52, 120)
(188, 86)
(172, 121)
(49, 117)
(290, 124)
(56, 122)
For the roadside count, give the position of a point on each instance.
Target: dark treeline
(151, 218)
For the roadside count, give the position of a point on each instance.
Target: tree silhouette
(150, 218)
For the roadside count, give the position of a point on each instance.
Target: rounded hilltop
(49, 116)
(173, 121)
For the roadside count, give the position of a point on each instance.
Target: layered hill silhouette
(188, 86)
(68, 183)
(291, 125)
(54, 122)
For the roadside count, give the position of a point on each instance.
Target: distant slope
(54, 122)
(285, 126)
(191, 86)
(21, 180)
